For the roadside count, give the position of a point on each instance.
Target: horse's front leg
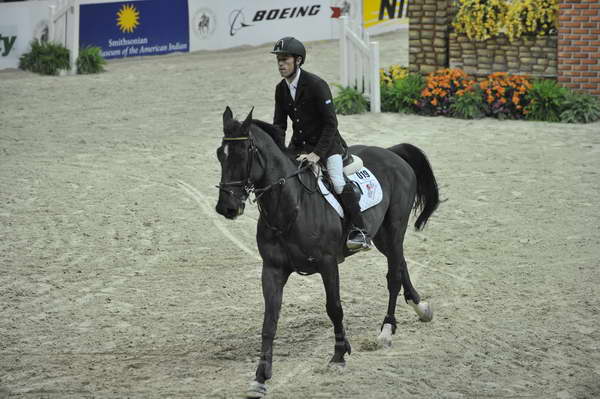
(273, 281)
(331, 281)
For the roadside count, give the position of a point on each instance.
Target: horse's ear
(247, 122)
(227, 115)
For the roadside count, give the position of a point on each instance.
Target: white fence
(359, 62)
(63, 28)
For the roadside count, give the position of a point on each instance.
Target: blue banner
(135, 28)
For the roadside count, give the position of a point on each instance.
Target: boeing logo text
(285, 13)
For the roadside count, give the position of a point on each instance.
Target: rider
(306, 99)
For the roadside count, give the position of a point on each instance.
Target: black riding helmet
(291, 46)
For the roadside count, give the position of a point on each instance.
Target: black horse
(298, 231)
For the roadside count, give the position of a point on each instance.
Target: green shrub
(470, 105)
(580, 108)
(350, 101)
(90, 60)
(46, 58)
(546, 99)
(402, 94)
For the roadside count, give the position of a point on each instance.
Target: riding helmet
(291, 46)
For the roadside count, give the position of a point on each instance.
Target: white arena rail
(359, 62)
(63, 28)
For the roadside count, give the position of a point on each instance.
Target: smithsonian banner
(135, 28)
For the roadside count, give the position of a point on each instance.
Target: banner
(20, 23)
(380, 16)
(135, 28)
(225, 24)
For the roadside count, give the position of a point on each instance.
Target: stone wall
(532, 56)
(428, 34)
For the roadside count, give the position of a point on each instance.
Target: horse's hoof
(337, 366)
(423, 309)
(256, 390)
(385, 337)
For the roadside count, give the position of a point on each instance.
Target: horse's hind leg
(390, 242)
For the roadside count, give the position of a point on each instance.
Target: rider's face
(285, 63)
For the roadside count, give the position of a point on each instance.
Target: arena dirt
(118, 279)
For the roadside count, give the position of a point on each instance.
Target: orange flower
(434, 102)
(490, 99)
(515, 99)
(503, 100)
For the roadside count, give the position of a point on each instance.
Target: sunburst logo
(128, 18)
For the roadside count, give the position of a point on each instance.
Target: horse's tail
(428, 197)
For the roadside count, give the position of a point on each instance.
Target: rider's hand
(312, 157)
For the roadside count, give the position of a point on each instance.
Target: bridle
(247, 183)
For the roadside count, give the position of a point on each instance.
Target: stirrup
(358, 240)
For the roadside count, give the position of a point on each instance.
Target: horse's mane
(231, 127)
(273, 131)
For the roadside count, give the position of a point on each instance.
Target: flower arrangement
(480, 19)
(392, 74)
(442, 86)
(506, 95)
(534, 17)
(451, 92)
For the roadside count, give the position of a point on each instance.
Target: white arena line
(414, 262)
(209, 212)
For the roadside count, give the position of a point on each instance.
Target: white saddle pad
(369, 185)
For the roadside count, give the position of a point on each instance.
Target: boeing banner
(232, 23)
(135, 28)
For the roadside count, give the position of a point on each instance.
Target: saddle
(352, 164)
(364, 181)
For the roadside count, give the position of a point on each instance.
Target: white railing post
(69, 35)
(51, 28)
(359, 61)
(375, 88)
(343, 52)
(74, 53)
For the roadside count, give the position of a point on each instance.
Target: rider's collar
(295, 81)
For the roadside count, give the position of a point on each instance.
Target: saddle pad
(369, 185)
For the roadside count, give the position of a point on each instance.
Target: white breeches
(335, 167)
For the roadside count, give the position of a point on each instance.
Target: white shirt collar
(294, 85)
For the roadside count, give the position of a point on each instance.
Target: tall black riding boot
(359, 238)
